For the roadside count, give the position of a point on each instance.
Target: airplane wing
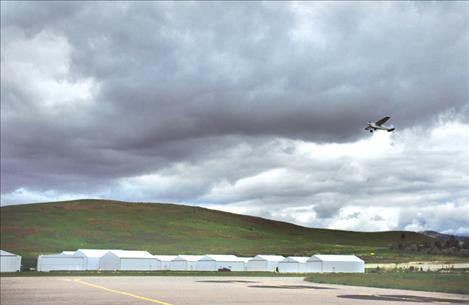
(382, 121)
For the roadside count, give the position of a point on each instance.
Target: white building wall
(261, 265)
(128, 260)
(60, 262)
(93, 257)
(10, 263)
(179, 265)
(303, 268)
(233, 266)
(213, 265)
(336, 263)
(293, 264)
(184, 262)
(92, 263)
(288, 267)
(258, 265)
(313, 266)
(343, 267)
(109, 262)
(165, 265)
(264, 262)
(206, 265)
(272, 266)
(191, 266)
(163, 261)
(156, 265)
(138, 264)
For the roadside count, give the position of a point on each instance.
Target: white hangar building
(184, 262)
(293, 264)
(92, 257)
(245, 261)
(128, 260)
(9, 262)
(212, 262)
(163, 261)
(264, 262)
(335, 263)
(67, 260)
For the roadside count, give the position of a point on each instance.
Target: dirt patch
(17, 231)
(85, 234)
(252, 236)
(117, 223)
(122, 224)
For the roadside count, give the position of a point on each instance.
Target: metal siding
(109, 262)
(315, 266)
(258, 265)
(343, 267)
(206, 266)
(178, 265)
(138, 264)
(288, 267)
(51, 263)
(10, 263)
(233, 266)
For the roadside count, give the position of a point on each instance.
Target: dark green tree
(452, 242)
(465, 245)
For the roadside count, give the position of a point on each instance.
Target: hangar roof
(335, 258)
(295, 259)
(67, 253)
(164, 258)
(223, 258)
(189, 258)
(5, 253)
(131, 254)
(272, 258)
(92, 252)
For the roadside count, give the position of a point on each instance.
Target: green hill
(34, 229)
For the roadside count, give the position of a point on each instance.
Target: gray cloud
(327, 210)
(96, 94)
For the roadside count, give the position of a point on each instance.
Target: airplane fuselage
(373, 127)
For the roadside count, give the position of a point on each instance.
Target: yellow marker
(121, 292)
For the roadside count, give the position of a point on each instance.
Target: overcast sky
(250, 107)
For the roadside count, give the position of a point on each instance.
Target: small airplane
(378, 125)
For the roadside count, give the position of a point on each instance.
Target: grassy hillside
(35, 229)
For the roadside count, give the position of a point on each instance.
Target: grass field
(30, 230)
(454, 282)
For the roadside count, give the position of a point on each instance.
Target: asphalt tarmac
(180, 290)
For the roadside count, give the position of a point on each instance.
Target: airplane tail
(391, 129)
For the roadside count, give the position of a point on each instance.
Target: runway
(180, 290)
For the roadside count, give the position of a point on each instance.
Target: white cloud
(24, 195)
(40, 65)
(437, 216)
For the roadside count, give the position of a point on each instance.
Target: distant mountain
(34, 229)
(442, 236)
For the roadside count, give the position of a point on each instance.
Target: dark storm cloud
(181, 81)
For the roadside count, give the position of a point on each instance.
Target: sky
(256, 108)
